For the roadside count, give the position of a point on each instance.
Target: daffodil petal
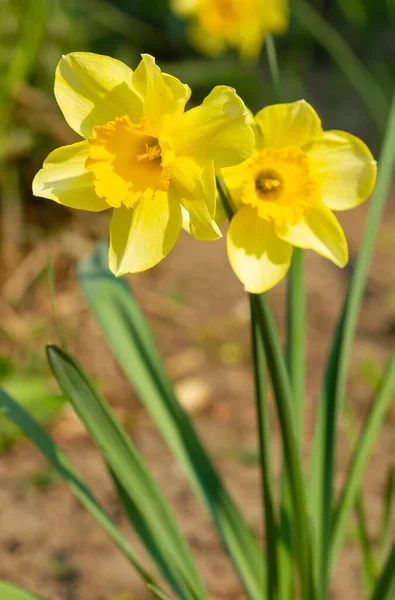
(319, 230)
(141, 237)
(292, 124)
(216, 130)
(345, 168)
(164, 96)
(193, 185)
(235, 178)
(65, 180)
(92, 89)
(258, 257)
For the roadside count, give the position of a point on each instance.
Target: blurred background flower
(216, 25)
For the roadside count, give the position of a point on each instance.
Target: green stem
(269, 518)
(285, 409)
(273, 66)
(296, 335)
(292, 455)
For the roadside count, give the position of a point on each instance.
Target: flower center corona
(280, 185)
(128, 161)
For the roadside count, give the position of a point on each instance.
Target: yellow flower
(142, 154)
(286, 191)
(238, 24)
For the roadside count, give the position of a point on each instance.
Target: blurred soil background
(195, 305)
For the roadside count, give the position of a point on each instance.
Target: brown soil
(199, 315)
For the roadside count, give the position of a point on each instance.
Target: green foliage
(11, 592)
(35, 393)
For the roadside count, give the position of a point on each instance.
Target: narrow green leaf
(158, 593)
(18, 415)
(389, 501)
(385, 587)
(324, 446)
(360, 457)
(268, 498)
(365, 544)
(148, 509)
(123, 324)
(11, 592)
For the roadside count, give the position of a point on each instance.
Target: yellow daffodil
(142, 155)
(286, 192)
(239, 24)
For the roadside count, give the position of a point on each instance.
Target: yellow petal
(164, 96)
(92, 89)
(216, 130)
(64, 179)
(293, 124)
(143, 236)
(235, 179)
(319, 230)
(345, 168)
(258, 257)
(193, 185)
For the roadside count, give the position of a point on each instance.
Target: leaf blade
(152, 516)
(127, 333)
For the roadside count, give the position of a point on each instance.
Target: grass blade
(149, 511)
(360, 456)
(16, 413)
(385, 587)
(127, 332)
(321, 492)
(264, 458)
(11, 592)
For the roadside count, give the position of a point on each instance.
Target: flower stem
(273, 66)
(269, 517)
(293, 461)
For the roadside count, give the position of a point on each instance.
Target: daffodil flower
(286, 192)
(142, 155)
(217, 25)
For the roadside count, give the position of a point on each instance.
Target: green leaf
(360, 457)
(365, 544)
(11, 592)
(324, 446)
(147, 508)
(385, 587)
(389, 500)
(34, 393)
(22, 419)
(158, 593)
(127, 332)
